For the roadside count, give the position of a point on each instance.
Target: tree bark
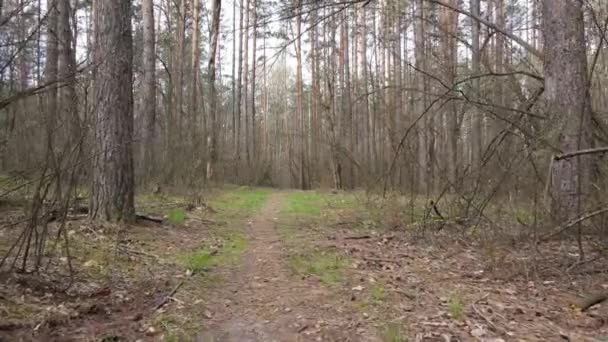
(300, 94)
(239, 92)
(449, 23)
(567, 93)
(194, 87)
(50, 74)
(253, 79)
(234, 52)
(112, 190)
(246, 82)
(214, 131)
(477, 134)
(148, 96)
(421, 95)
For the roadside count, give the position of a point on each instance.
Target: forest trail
(262, 300)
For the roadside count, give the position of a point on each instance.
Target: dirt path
(262, 301)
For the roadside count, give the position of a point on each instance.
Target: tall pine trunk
(148, 96)
(567, 93)
(112, 191)
(214, 131)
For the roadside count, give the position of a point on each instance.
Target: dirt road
(263, 301)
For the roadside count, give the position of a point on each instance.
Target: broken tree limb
(575, 222)
(581, 152)
(496, 28)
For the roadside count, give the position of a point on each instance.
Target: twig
(409, 296)
(133, 251)
(358, 237)
(168, 296)
(581, 152)
(393, 261)
(487, 319)
(575, 222)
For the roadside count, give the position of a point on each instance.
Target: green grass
(393, 333)
(455, 306)
(241, 202)
(177, 216)
(314, 203)
(204, 258)
(198, 260)
(174, 327)
(303, 203)
(328, 266)
(378, 293)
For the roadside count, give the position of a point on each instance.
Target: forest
(303, 170)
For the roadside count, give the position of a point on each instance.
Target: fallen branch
(588, 302)
(393, 261)
(359, 237)
(581, 152)
(575, 222)
(149, 218)
(133, 251)
(169, 296)
(487, 319)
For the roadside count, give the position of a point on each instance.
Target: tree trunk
(315, 100)
(178, 72)
(194, 86)
(148, 96)
(113, 181)
(449, 24)
(234, 52)
(346, 142)
(421, 94)
(300, 94)
(246, 82)
(68, 104)
(364, 112)
(214, 131)
(239, 93)
(567, 93)
(253, 80)
(477, 134)
(50, 73)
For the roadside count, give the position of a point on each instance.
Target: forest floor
(251, 264)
